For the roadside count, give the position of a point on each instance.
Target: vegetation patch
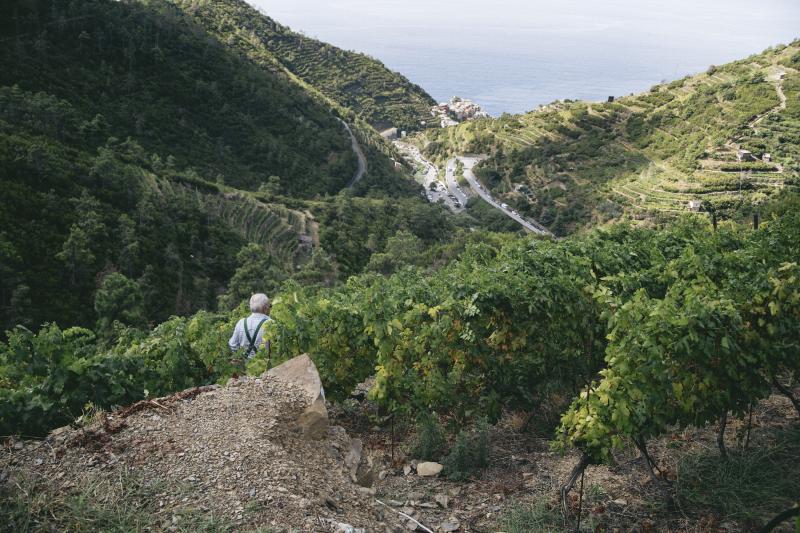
(751, 486)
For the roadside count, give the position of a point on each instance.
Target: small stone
(18, 445)
(394, 503)
(382, 474)
(450, 525)
(443, 500)
(429, 469)
(411, 525)
(621, 502)
(59, 431)
(353, 457)
(365, 476)
(406, 470)
(416, 496)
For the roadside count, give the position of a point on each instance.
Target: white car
(504, 206)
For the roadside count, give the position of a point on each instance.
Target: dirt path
(782, 105)
(362, 160)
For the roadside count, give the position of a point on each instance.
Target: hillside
(570, 164)
(355, 81)
(163, 160)
(134, 142)
(657, 362)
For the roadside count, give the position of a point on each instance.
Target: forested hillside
(355, 81)
(134, 142)
(648, 155)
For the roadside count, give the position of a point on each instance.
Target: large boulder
(301, 371)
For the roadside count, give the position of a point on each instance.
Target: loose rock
(429, 469)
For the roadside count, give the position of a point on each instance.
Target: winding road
(453, 187)
(440, 193)
(469, 163)
(362, 160)
(454, 191)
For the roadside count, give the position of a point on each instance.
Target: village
(450, 113)
(457, 110)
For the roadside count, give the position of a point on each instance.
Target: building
(766, 158)
(744, 155)
(458, 109)
(695, 205)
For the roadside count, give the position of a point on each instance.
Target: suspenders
(252, 339)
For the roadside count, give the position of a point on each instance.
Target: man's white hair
(259, 303)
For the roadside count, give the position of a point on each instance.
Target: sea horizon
(517, 55)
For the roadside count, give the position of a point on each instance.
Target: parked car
(504, 206)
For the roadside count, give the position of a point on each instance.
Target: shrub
(469, 453)
(429, 442)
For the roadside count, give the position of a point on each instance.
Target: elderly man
(249, 334)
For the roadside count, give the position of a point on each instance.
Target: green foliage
(750, 487)
(429, 443)
(538, 517)
(47, 378)
(256, 272)
(745, 166)
(403, 249)
(469, 453)
(119, 299)
(710, 341)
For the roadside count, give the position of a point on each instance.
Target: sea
(511, 56)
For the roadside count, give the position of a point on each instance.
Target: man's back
(247, 330)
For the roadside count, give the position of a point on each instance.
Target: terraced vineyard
(570, 164)
(273, 226)
(356, 81)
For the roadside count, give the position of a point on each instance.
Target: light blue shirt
(239, 338)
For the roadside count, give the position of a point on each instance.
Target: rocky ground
(243, 454)
(233, 452)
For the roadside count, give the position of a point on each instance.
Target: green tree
(320, 271)
(257, 271)
(77, 255)
(118, 299)
(402, 249)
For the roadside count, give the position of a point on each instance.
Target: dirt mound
(234, 452)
